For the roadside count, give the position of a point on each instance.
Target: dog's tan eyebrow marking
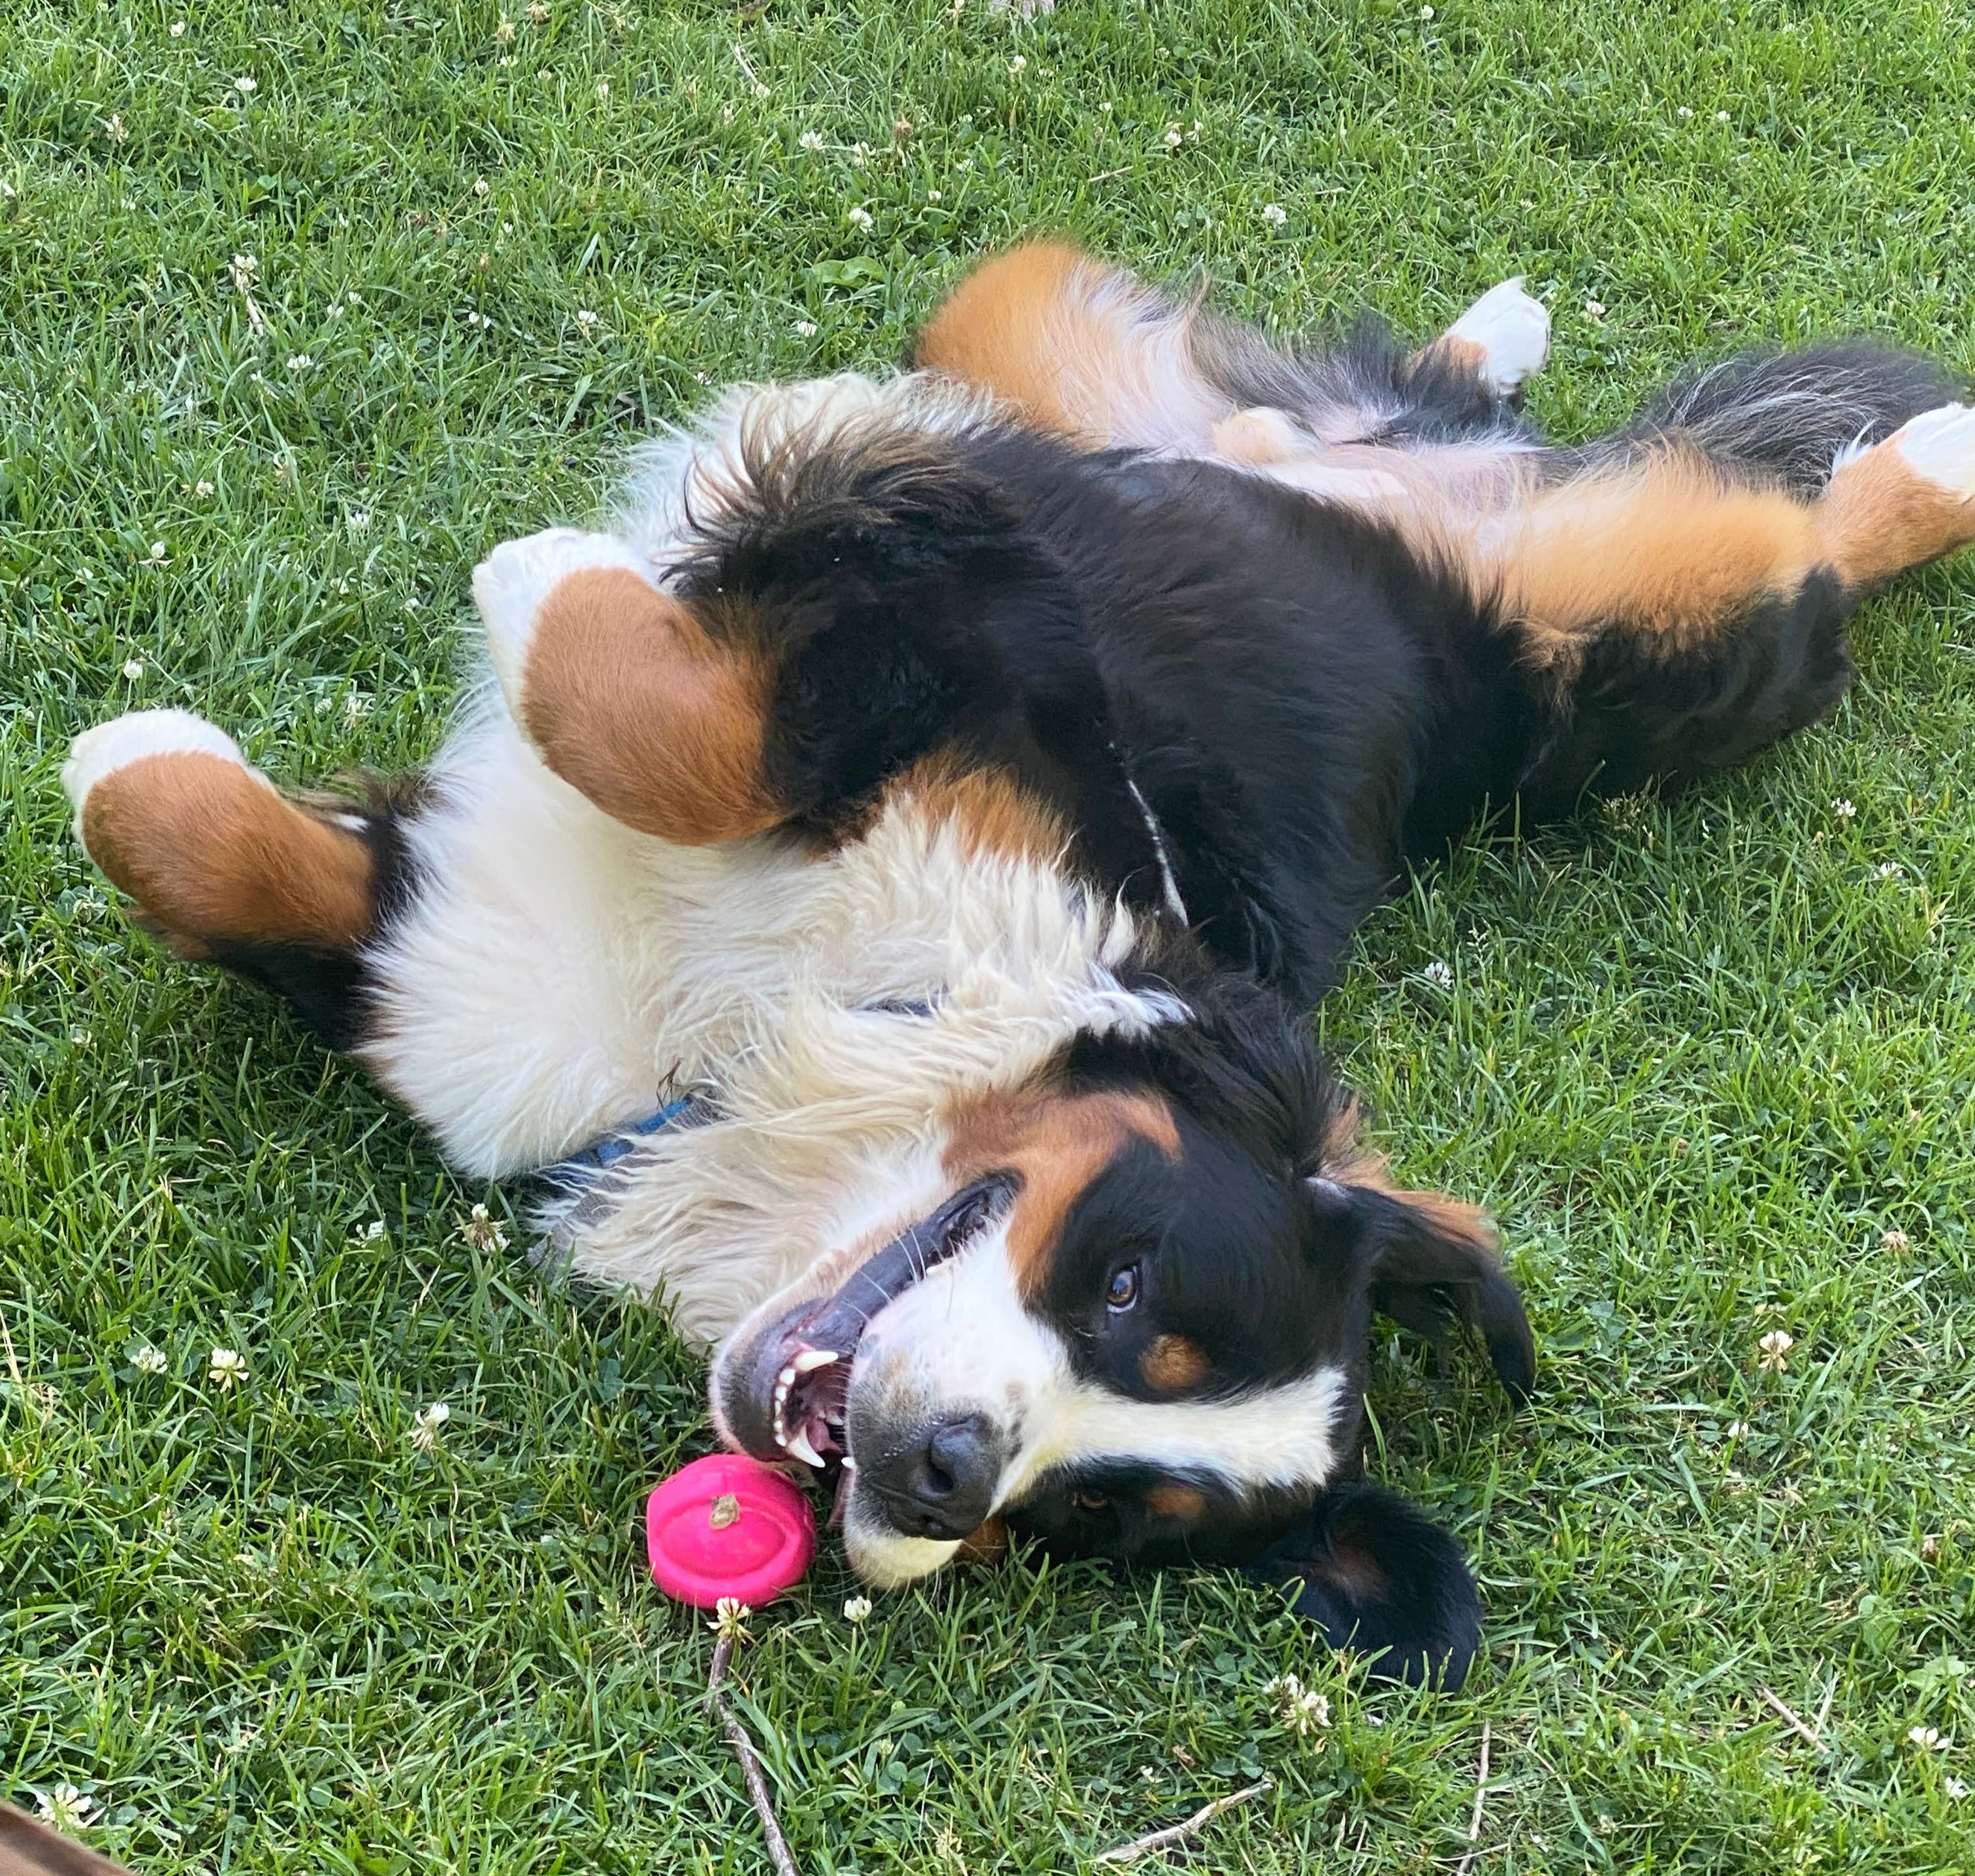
(1059, 1144)
(1182, 1503)
(1172, 1364)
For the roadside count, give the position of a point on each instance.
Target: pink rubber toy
(728, 1526)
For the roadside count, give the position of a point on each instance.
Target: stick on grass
(1179, 1832)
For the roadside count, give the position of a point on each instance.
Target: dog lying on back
(884, 883)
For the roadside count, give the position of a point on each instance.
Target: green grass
(1704, 1056)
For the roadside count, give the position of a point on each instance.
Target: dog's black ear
(1430, 1256)
(1379, 1577)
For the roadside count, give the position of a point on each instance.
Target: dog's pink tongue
(728, 1526)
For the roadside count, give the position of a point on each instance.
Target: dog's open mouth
(801, 1367)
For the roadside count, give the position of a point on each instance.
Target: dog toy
(728, 1526)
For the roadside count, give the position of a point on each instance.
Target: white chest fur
(557, 971)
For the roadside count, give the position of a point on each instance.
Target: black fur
(1380, 1577)
(328, 991)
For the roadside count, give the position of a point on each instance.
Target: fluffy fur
(944, 792)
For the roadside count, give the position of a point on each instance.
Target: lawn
(302, 308)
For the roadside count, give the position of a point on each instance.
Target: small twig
(1480, 1798)
(1790, 1719)
(1179, 1832)
(750, 1766)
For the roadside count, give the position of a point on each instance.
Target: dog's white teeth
(781, 1438)
(799, 1448)
(787, 1378)
(810, 1361)
(849, 1464)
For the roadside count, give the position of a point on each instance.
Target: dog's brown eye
(1124, 1290)
(1089, 1501)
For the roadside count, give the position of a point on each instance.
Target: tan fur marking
(1059, 1144)
(1182, 1503)
(1669, 550)
(212, 854)
(1173, 1364)
(1260, 436)
(1463, 354)
(1349, 1160)
(990, 810)
(986, 1543)
(627, 699)
(1014, 327)
(1880, 516)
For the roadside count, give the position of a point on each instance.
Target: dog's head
(1127, 1311)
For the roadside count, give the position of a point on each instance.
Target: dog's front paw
(511, 584)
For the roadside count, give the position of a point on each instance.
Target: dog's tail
(1789, 418)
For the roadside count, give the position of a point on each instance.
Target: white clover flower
(859, 218)
(245, 87)
(481, 187)
(1439, 975)
(359, 521)
(1843, 808)
(1426, 12)
(299, 362)
(375, 1232)
(1274, 214)
(226, 1368)
(1594, 310)
(932, 195)
(134, 669)
(356, 707)
(245, 267)
(1721, 116)
(1954, 1787)
(504, 30)
(1685, 110)
(424, 1429)
(480, 1228)
(603, 87)
(113, 128)
(856, 1609)
(805, 329)
(201, 488)
(538, 13)
(177, 28)
(1300, 1710)
(65, 1808)
(1894, 1241)
(147, 1360)
(157, 549)
(810, 139)
(586, 318)
(1776, 1347)
(1174, 136)
(1889, 869)
(728, 1615)
(1018, 65)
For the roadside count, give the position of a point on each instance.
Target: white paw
(101, 752)
(1940, 444)
(511, 584)
(1512, 328)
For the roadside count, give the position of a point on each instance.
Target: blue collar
(577, 1169)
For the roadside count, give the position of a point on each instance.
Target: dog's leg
(226, 870)
(633, 698)
(1097, 354)
(1674, 618)
(1503, 338)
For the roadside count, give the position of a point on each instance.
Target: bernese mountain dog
(882, 883)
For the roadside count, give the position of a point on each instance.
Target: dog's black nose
(939, 1481)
